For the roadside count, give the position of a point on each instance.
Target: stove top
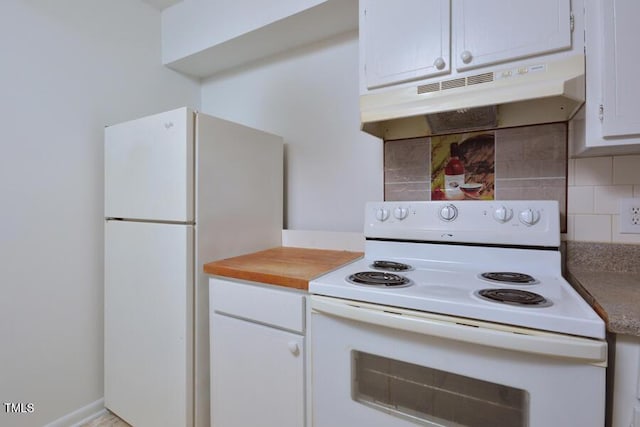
(466, 279)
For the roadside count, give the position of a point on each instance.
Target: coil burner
(509, 277)
(379, 279)
(390, 266)
(516, 297)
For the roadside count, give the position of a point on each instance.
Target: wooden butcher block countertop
(283, 266)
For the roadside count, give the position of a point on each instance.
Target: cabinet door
(621, 68)
(257, 375)
(404, 41)
(625, 405)
(493, 31)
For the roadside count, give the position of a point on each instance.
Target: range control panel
(509, 222)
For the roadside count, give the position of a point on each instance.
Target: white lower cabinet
(257, 355)
(626, 382)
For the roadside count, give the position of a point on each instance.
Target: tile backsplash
(407, 169)
(530, 163)
(595, 185)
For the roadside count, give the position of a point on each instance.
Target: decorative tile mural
(509, 164)
(463, 166)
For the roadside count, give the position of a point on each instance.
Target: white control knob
(293, 348)
(502, 214)
(529, 217)
(400, 213)
(466, 56)
(439, 63)
(382, 214)
(448, 212)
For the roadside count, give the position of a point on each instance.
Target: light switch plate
(630, 215)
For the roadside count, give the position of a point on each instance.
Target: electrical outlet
(630, 215)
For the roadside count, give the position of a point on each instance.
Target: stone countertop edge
(608, 278)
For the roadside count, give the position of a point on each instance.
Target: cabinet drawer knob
(293, 348)
(466, 56)
(439, 63)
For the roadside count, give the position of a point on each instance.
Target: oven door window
(429, 396)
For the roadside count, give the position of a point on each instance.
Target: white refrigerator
(181, 189)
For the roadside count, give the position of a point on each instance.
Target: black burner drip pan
(379, 279)
(515, 297)
(509, 277)
(390, 265)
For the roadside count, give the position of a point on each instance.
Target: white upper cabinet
(404, 41)
(610, 123)
(494, 31)
(621, 69)
(411, 40)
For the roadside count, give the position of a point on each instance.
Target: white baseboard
(336, 240)
(80, 416)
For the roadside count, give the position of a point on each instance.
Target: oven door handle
(466, 330)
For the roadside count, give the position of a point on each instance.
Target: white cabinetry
(626, 384)
(621, 69)
(257, 355)
(419, 39)
(611, 123)
(404, 41)
(493, 31)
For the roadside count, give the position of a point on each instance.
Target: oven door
(385, 367)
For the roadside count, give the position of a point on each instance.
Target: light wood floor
(107, 420)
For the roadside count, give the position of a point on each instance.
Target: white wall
(68, 68)
(310, 97)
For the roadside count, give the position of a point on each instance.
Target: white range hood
(543, 92)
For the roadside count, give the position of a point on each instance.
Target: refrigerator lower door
(148, 323)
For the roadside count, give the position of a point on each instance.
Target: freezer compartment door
(149, 168)
(148, 322)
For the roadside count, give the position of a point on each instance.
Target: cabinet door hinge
(572, 21)
(601, 112)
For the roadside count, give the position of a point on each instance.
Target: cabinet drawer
(271, 306)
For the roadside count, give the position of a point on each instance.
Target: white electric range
(458, 315)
